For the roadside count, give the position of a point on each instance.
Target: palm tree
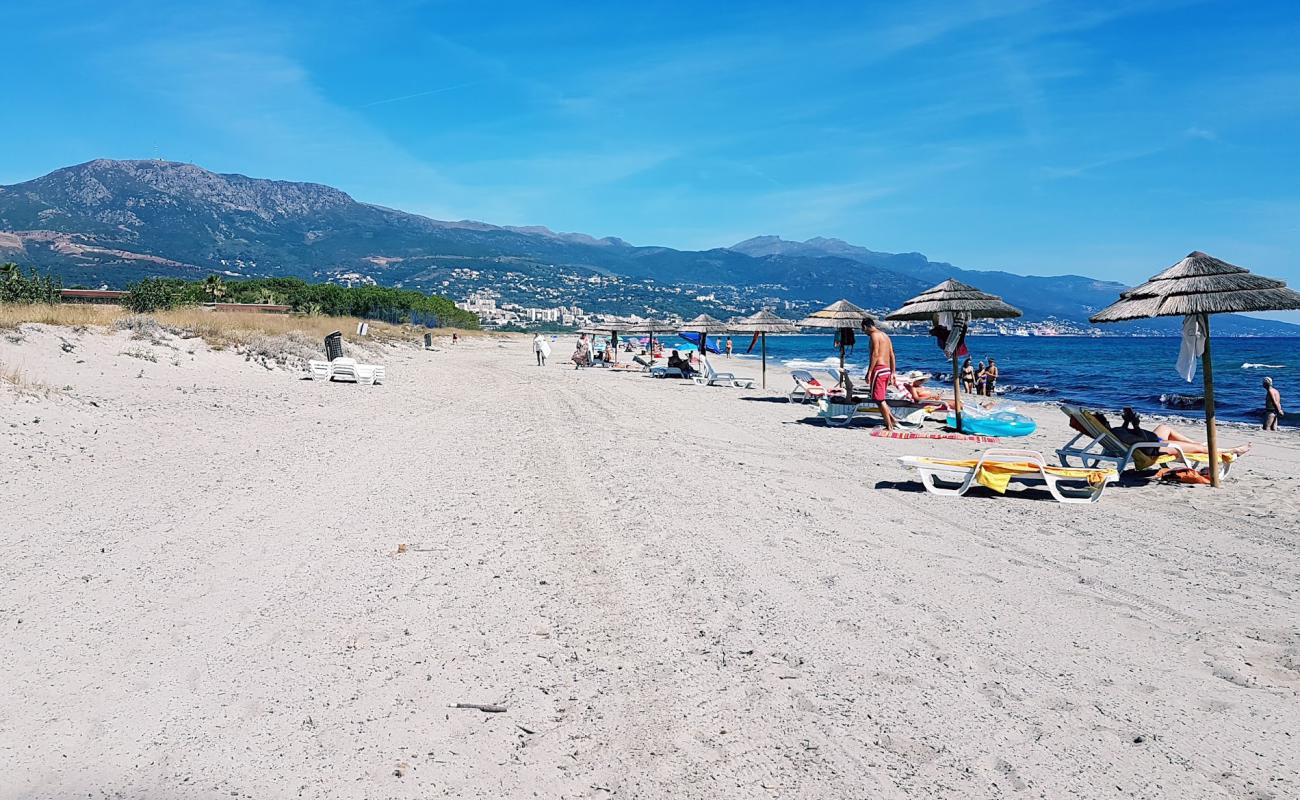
(267, 297)
(214, 287)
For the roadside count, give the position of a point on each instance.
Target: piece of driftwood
(490, 709)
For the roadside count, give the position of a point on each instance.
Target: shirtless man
(1272, 405)
(881, 372)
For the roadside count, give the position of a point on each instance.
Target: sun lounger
(1095, 444)
(711, 377)
(838, 411)
(666, 372)
(997, 469)
(806, 387)
(348, 369)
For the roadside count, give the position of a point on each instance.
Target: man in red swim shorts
(881, 372)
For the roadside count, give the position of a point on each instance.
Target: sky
(1103, 139)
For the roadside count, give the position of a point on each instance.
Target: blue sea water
(1104, 372)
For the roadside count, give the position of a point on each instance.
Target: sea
(1107, 372)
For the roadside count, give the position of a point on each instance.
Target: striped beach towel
(965, 437)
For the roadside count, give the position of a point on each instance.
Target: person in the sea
(968, 377)
(675, 360)
(1131, 432)
(880, 373)
(991, 378)
(1272, 405)
(981, 375)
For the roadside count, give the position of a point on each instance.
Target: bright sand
(675, 591)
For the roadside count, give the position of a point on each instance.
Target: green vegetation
(154, 294)
(397, 306)
(367, 302)
(15, 287)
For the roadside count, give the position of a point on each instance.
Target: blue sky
(1105, 139)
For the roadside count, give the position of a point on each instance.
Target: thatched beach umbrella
(704, 325)
(763, 323)
(651, 327)
(956, 298)
(840, 315)
(612, 328)
(1198, 286)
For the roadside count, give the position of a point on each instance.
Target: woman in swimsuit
(1131, 431)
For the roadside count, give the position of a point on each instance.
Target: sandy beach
(218, 579)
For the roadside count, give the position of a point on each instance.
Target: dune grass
(285, 340)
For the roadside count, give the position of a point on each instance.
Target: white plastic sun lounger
(806, 387)
(835, 411)
(666, 372)
(347, 369)
(954, 478)
(711, 377)
(1098, 445)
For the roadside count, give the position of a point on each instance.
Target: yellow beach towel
(997, 475)
(1146, 459)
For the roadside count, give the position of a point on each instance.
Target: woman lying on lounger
(1131, 431)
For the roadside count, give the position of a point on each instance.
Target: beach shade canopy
(1198, 286)
(1201, 284)
(953, 297)
(704, 324)
(956, 298)
(838, 315)
(650, 326)
(763, 323)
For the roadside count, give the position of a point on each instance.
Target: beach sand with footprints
(220, 580)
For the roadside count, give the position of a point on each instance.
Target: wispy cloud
(427, 93)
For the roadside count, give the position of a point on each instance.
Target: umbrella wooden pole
(1211, 433)
(956, 393)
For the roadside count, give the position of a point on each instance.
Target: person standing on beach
(728, 347)
(1272, 405)
(991, 378)
(968, 377)
(541, 349)
(881, 371)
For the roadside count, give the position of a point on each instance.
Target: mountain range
(113, 222)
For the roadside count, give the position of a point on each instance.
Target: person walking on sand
(991, 378)
(881, 371)
(1272, 405)
(968, 377)
(541, 348)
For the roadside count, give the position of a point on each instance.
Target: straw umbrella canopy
(1198, 286)
(838, 315)
(612, 328)
(763, 323)
(954, 297)
(704, 325)
(650, 326)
